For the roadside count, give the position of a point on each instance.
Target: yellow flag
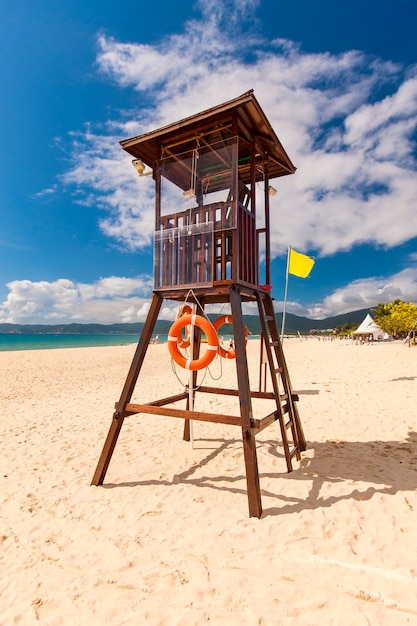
(300, 264)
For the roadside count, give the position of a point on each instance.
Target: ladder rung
(294, 452)
(274, 343)
(289, 423)
(278, 370)
(269, 318)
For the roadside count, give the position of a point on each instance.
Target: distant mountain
(293, 324)
(303, 325)
(71, 329)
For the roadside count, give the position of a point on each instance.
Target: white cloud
(102, 175)
(361, 294)
(117, 299)
(48, 191)
(354, 149)
(347, 121)
(106, 301)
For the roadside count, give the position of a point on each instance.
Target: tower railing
(196, 247)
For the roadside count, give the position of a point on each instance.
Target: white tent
(370, 327)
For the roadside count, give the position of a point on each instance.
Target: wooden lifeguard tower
(211, 226)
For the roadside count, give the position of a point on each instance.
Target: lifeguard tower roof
(243, 116)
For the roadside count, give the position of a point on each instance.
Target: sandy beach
(167, 539)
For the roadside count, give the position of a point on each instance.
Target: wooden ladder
(286, 413)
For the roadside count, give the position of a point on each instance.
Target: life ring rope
(184, 342)
(220, 321)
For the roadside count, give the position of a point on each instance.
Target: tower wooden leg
(249, 443)
(129, 386)
(252, 474)
(108, 448)
(187, 433)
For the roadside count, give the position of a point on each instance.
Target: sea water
(12, 341)
(47, 342)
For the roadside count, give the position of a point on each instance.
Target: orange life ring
(184, 342)
(174, 337)
(227, 319)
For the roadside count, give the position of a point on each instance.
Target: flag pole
(286, 294)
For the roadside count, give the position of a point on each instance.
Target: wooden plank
(263, 422)
(133, 409)
(262, 395)
(170, 399)
(164, 401)
(196, 343)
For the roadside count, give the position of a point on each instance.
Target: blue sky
(338, 82)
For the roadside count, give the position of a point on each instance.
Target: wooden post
(119, 414)
(196, 344)
(249, 443)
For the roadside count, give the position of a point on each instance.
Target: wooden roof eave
(252, 121)
(196, 118)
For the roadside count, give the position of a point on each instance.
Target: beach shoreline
(167, 539)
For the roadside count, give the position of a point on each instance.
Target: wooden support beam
(248, 435)
(199, 310)
(129, 386)
(263, 422)
(164, 401)
(262, 395)
(218, 418)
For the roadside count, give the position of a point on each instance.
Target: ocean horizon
(12, 342)
(20, 341)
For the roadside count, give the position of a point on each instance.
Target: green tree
(345, 329)
(404, 317)
(396, 317)
(382, 314)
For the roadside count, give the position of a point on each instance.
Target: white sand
(167, 540)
